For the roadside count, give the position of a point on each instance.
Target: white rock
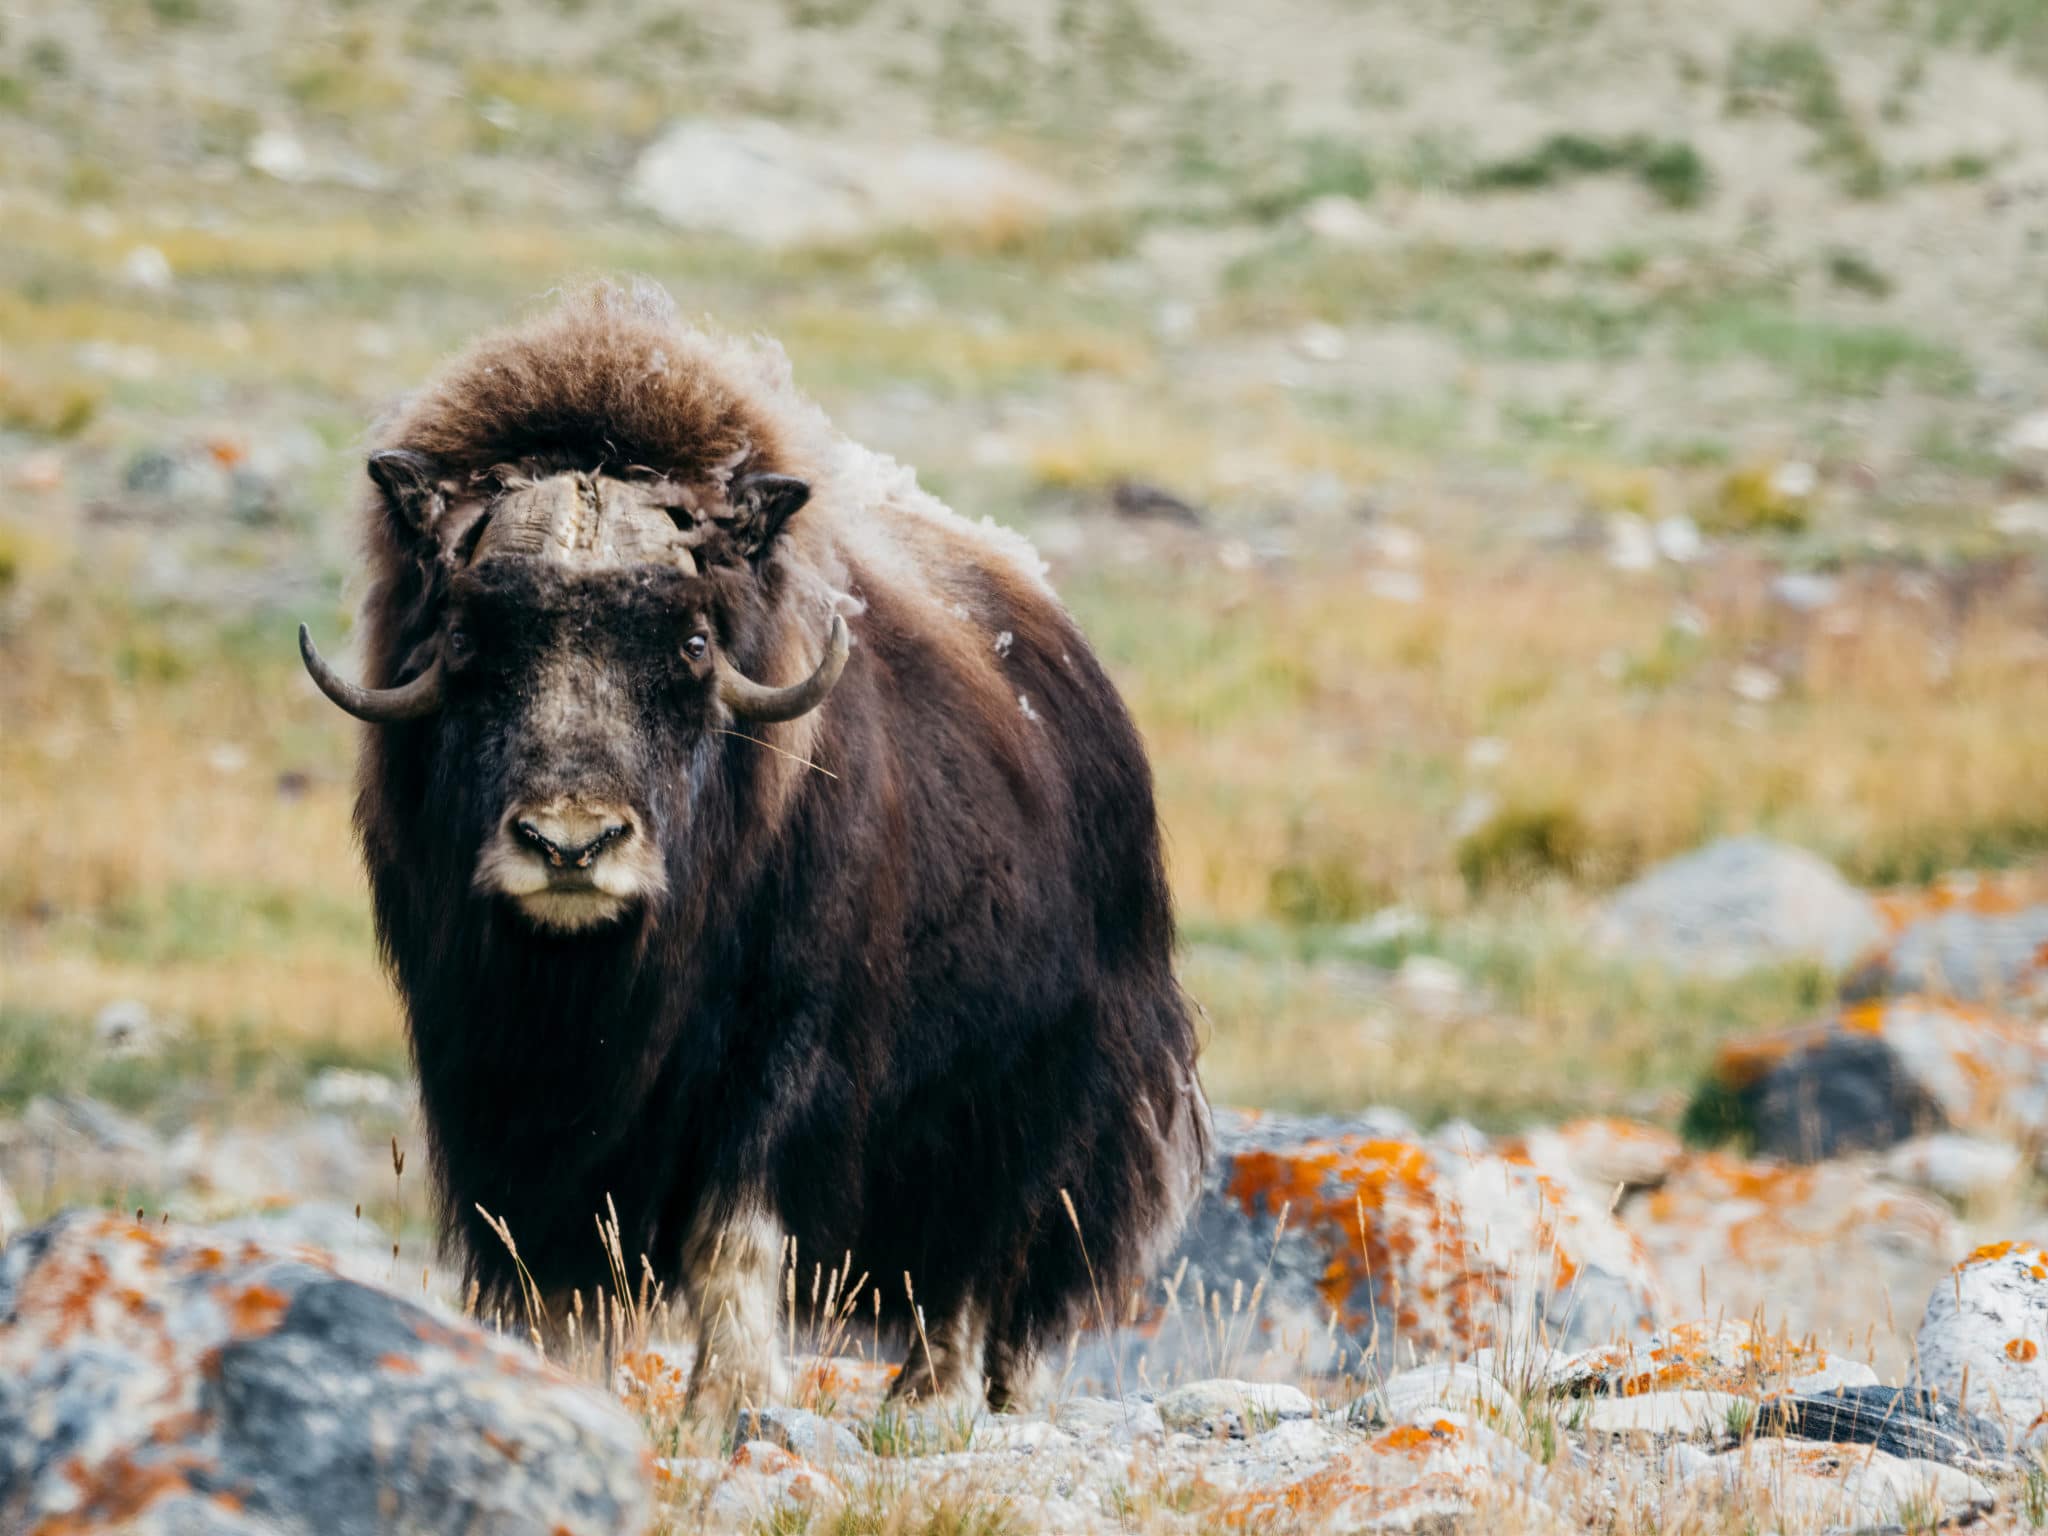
(1805, 1484)
(1795, 479)
(1342, 221)
(2022, 520)
(1805, 591)
(147, 268)
(1957, 1166)
(1678, 539)
(1394, 544)
(768, 184)
(350, 1088)
(2024, 445)
(1691, 1414)
(1630, 544)
(1430, 985)
(1395, 586)
(279, 153)
(1320, 342)
(1988, 1322)
(1419, 1395)
(1755, 684)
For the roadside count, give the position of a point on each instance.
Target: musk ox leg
(1009, 1365)
(731, 1264)
(943, 1361)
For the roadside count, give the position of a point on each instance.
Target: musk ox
(759, 847)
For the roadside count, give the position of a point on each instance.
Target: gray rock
(1844, 1093)
(143, 1370)
(1738, 904)
(1897, 1420)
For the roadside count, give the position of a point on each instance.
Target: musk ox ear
(761, 505)
(411, 485)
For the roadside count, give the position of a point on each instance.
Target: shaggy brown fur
(910, 975)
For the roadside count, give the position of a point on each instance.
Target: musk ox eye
(459, 645)
(696, 647)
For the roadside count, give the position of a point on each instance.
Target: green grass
(1674, 172)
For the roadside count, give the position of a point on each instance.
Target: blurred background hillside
(1496, 447)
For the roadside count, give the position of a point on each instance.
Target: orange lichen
(1415, 1437)
(1387, 1237)
(398, 1365)
(255, 1309)
(649, 1385)
(2023, 1351)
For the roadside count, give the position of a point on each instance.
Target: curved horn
(750, 700)
(379, 706)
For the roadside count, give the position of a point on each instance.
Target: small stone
(1320, 342)
(1231, 1407)
(1393, 586)
(1630, 544)
(278, 153)
(147, 268)
(1430, 985)
(1678, 539)
(347, 1088)
(1754, 684)
(1092, 1418)
(800, 1432)
(1342, 220)
(125, 1028)
(1805, 591)
(2024, 446)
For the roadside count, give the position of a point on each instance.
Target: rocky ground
(1368, 1326)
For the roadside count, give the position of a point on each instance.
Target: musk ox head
(580, 644)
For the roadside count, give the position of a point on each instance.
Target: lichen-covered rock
(1738, 904)
(1814, 1249)
(1986, 952)
(1442, 1245)
(1798, 1485)
(1688, 1413)
(167, 1377)
(1605, 1155)
(1726, 1355)
(1434, 1476)
(1987, 1325)
(1887, 1070)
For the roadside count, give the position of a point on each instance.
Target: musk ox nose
(571, 838)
